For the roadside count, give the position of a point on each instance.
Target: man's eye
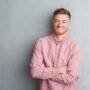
(56, 21)
(64, 22)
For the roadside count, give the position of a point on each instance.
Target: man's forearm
(59, 70)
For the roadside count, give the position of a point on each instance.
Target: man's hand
(59, 69)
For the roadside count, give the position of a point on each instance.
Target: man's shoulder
(74, 43)
(44, 38)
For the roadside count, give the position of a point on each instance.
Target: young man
(56, 58)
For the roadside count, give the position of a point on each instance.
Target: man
(56, 58)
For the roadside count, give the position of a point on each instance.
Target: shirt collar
(57, 41)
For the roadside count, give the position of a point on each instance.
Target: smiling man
(56, 58)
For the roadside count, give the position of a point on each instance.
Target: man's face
(61, 23)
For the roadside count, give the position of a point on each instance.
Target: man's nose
(60, 24)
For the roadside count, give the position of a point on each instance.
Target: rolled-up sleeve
(37, 67)
(73, 73)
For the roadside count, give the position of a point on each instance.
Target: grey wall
(21, 23)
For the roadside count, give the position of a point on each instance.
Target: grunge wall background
(22, 22)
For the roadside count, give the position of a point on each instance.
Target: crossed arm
(61, 74)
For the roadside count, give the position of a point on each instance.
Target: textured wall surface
(22, 22)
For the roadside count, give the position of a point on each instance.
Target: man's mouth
(59, 27)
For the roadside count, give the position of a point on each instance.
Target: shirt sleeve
(73, 73)
(37, 67)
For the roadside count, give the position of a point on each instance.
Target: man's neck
(60, 37)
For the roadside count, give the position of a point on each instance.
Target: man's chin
(60, 33)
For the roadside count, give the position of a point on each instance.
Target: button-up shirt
(50, 52)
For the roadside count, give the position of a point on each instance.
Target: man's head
(61, 21)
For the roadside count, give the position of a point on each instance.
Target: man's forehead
(61, 16)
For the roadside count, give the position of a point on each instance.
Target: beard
(60, 32)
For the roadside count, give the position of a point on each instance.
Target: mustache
(59, 26)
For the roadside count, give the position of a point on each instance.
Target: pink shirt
(49, 52)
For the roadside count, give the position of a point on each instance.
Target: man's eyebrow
(64, 20)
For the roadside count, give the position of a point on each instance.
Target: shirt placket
(57, 51)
